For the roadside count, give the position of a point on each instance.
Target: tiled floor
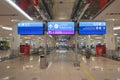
(102, 68)
(60, 68)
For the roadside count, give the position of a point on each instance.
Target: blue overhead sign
(92, 28)
(60, 27)
(30, 28)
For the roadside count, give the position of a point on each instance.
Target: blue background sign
(30, 28)
(60, 27)
(92, 28)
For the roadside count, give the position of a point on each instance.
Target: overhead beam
(46, 7)
(75, 8)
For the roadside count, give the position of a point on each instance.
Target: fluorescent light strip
(7, 28)
(116, 28)
(115, 34)
(19, 9)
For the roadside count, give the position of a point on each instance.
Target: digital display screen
(30, 28)
(92, 28)
(60, 28)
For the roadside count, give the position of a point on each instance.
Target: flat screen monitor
(92, 28)
(30, 28)
(60, 28)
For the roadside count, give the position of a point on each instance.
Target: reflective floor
(4, 53)
(60, 68)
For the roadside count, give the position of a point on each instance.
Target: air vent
(113, 14)
(8, 14)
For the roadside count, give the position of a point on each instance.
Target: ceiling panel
(62, 9)
(7, 13)
(112, 12)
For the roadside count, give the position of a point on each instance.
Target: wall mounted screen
(60, 27)
(92, 28)
(30, 28)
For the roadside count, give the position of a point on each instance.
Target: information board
(60, 27)
(92, 28)
(30, 28)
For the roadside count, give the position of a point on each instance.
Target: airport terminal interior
(59, 39)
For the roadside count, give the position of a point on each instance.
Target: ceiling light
(115, 34)
(116, 28)
(62, 18)
(110, 19)
(6, 78)
(19, 9)
(7, 28)
(14, 20)
(98, 37)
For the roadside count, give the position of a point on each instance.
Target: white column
(15, 41)
(110, 39)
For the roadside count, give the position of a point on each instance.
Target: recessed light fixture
(7, 28)
(115, 34)
(116, 28)
(19, 9)
(110, 19)
(62, 18)
(14, 20)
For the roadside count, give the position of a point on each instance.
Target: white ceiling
(62, 11)
(6, 12)
(115, 9)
